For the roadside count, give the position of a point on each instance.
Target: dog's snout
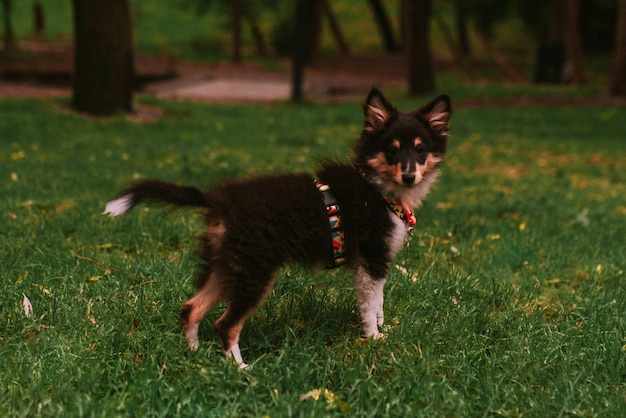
(408, 178)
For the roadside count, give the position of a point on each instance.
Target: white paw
(193, 345)
(379, 336)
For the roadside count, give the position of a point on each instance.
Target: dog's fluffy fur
(256, 225)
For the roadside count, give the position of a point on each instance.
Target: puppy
(357, 214)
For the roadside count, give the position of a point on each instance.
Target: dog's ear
(438, 112)
(377, 110)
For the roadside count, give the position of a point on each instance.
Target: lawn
(509, 300)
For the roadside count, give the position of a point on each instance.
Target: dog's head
(399, 151)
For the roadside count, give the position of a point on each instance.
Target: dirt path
(349, 78)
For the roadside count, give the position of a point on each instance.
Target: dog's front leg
(369, 293)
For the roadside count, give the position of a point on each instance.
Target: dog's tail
(155, 191)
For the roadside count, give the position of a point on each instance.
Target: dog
(356, 213)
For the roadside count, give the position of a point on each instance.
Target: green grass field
(509, 300)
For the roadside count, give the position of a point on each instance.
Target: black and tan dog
(358, 214)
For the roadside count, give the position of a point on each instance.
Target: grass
(509, 300)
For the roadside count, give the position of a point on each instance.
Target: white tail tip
(119, 206)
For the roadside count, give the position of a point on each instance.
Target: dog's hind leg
(243, 301)
(369, 293)
(195, 308)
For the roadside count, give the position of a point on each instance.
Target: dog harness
(401, 210)
(332, 209)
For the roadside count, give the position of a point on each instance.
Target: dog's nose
(408, 178)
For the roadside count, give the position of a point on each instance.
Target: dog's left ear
(377, 110)
(438, 112)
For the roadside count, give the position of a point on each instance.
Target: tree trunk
(257, 35)
(235, 21)
(384, 26)
(460, 9)
(575, 62)
(103, 62)
(511, 73)
(460, 59)
(421, 66)
(303, 10)
(335, 30)
(618, 78)
(560, 58)
(9, 36)
(39, 21)
(313, 31)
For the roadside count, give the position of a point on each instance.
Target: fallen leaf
(68, 204)
(18, 155)
(43, 289)
(331, 398)
(405, 272)
(22, 277)
(89, 315)
(402, 269)
(28, 307)
(312, 394)
(513, 215)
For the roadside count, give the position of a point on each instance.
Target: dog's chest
(397, 234)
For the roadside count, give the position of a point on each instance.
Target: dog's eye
(420, 149)
(393, 151)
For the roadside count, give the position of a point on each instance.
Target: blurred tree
(335, 30)
(572, 38)
(461, 15)
(313, 32)
(304, 8)
(597, 19)
(384, 26)
(9, 35)
(459, 46)
(618, 79)
(239, 11)
(485, 15)
(103, 62)
(421, 66)
(39, 20)
(556, 27)
(235, 21)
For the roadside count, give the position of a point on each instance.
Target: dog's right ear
(377, 110)
(438, 112)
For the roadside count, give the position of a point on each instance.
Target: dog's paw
(193, 344)
(379, 336)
